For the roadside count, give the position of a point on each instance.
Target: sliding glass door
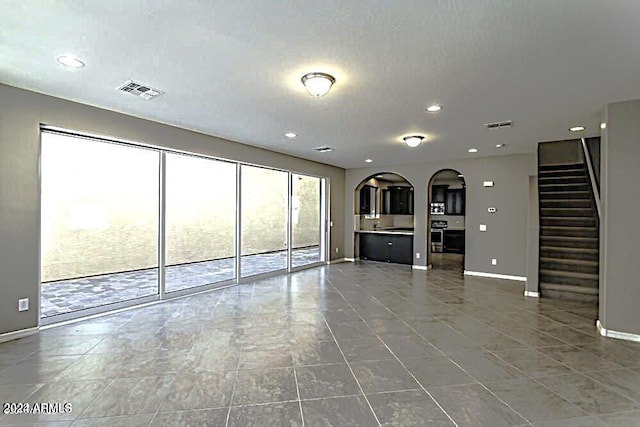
(99, 235)
(124, 224)
(306, 220)
(263, 220)
(200, 221)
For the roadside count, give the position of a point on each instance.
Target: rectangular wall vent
(324, 149)
(499, 125)
(139, 89)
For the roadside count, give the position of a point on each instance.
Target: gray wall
(22, 112)
(619, 230)
(506, 235)
(569, 151)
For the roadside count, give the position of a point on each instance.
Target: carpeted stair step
(569, 278)
(559, 188)
(562, 173)
(569, 292)
(571, 252)
(569, 265)
(571, 242)
(561, 167)
(566, 212)
(560, 231)
(549, 180)
(567, 221)
(566, 203)
(563, 195)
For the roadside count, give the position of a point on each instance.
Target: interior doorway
(446, 220)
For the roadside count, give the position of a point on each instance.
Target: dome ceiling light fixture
(70, 61)
(413, 141)
(318, 84)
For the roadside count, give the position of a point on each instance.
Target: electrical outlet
(494, 261)
(418, 255)
(336, 250)
(23, 304)
(483, 227)
(488, 183)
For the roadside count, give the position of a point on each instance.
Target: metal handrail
(592, 177)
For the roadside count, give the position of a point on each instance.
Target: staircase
(568, 233)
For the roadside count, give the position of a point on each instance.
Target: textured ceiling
(232, 68)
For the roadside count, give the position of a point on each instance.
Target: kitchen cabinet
(439, 193)
(368, 200)
(454, 202)
(397, 201)
(386, 247)
(453, 241)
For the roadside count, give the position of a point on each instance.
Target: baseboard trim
(340, 260)
(495, 276)
(419, 267)
(615, 334)
(532, 294)
(18, 334)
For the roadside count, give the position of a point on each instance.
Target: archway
(446, 220)
(384, 220)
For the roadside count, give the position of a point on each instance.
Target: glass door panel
(305, 220)
(200, 221)
(99, 223)
(263, 194)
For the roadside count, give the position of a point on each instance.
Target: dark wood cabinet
(453, 241)
(454, 203)
(367, 200)
(396, 248)
(397, 201)
(439, 193)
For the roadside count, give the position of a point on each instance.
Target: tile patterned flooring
(354, 344)
(67, 296)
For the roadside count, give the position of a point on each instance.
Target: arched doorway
(384, 222)
(446, 220)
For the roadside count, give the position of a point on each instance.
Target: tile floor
(354, 344)
(66, 296)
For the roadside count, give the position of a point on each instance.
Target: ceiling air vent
(499, 125)
(323, 149)
(139, 89)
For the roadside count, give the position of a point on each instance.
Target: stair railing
(592, 176)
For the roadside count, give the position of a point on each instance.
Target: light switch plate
(488, 183)
(23, 304)
(483, 227)
(494, 261)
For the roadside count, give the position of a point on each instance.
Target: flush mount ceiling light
(290, 135)
(368, 160)
(577, 129)
(413, 141)
(473, 150)
(318, 84)
(434, 108)
(70, 61)
(501, 145)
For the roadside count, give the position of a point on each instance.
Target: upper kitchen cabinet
(454, 204)
(398, 200)
(368, 200)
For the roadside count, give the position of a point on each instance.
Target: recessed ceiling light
(70, 61)
(379, 176)
(577, 129)
(501, 145)
(603, 125)
(460, 175)
(413, 141)
(368, 160)
(473, 150)
(318, 84)
(290, 135)
(434, 108)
